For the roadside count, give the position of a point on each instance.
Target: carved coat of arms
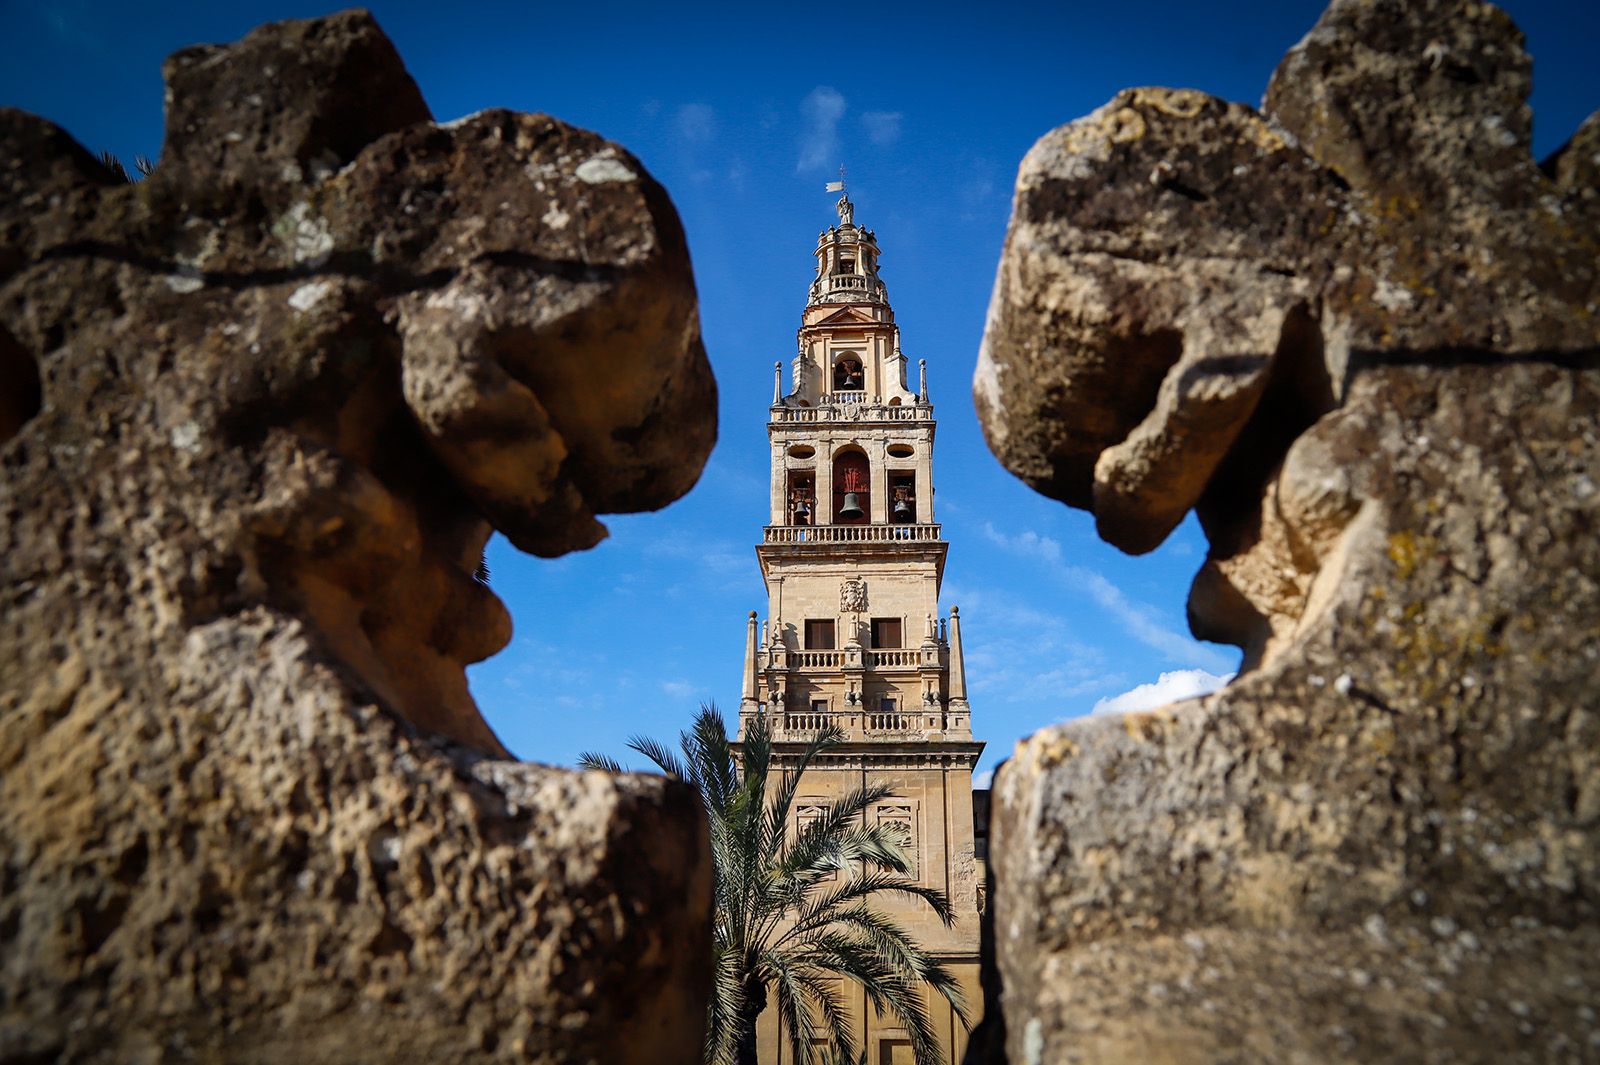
(853, 595)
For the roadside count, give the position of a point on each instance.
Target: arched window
(848, 375)
(852, 499)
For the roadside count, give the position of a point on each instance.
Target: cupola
(847, 262)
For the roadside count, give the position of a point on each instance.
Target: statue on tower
(846, 209)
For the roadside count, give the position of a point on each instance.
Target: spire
(958, 667)
(777, 383)
(747, 693)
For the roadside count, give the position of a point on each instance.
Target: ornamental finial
(846, 209)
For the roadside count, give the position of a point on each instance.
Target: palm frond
(810, 990)
(794, 1010)
(783, 802)
(823, 835)
(113, 164)
(725, 1009)
(821, 909)
(717, 766)
(596, 760)
(660, 754)
(779, 928)
(887, 990)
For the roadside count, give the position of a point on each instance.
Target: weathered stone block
(1357, 332)
(261, 412)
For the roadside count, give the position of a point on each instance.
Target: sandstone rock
(260, 414)
(1358, 334)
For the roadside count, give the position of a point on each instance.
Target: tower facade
(853, 560)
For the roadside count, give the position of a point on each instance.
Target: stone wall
(1357, 332)
(260, 414)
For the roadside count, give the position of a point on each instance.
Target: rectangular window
(895, 1052)
(802, 498)
(886, 705)
(902, 497)
(886, 632)
(819, 706)
(819, 634)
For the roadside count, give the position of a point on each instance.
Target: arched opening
(848, 373)
(802, 497)
(852, 497)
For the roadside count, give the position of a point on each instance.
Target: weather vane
(846, 209)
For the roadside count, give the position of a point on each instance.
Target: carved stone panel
(808, 813)
(853, 596)
(902, 815)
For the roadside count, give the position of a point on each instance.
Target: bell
(902, 510)
(802, 513)
(852, 506)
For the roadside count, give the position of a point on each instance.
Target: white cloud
(1168, 688)
(696, 123)
(983, 780)
(679, 689)
(883, 127)
(1138, 619)
(727, 560)
(980, 182)
(822, 109)
(997, 624)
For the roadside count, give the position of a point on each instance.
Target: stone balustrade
(844, 534)
(883, 658)
(803, 724)
(833, 407)
(816, 659)
(894, 658)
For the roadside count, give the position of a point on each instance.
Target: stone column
(924, 461)
(824, 514)
(878, 480)
(780, 485)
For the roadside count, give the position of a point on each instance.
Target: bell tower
(853, 561)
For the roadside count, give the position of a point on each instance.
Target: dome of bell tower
(847, 262)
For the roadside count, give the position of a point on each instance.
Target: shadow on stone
(261, 412)
(1381, 841)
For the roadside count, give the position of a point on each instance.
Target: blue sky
(743, 114)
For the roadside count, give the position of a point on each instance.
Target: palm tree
(142, 165)
(780, 929)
